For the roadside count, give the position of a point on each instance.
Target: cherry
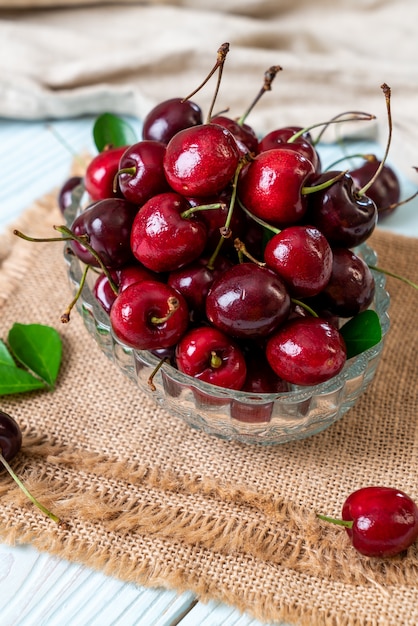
(351, 287)
(169, 117)
(193, 281)
(282, 137)
(103, 290)
(385, 191)
(201, 160)
(306, 351)
(244, 134)
(380, 521)
(302, 256)
(346, 218)
(107, 225)
(141, 174)
(210, 355)
(10, 445)
(162, 239)
(247, 301)
(149, 315)
(65, 197)
(100, 174)
(270, 187)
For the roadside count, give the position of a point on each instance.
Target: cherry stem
(215, 360)
(394, 205)
(269, 76)
(356, 116)
(220, 60)
(65, 317)
(370, 158)
(81, 240)
(202, 207)
(338, 522)
(394, 275)
(124, 170)
(273, 229)
(19, 233)
(243, 252)
(155, 372)
(327, 183)
(26, 491)
(305, 306)
(226, 230)
(172, 304)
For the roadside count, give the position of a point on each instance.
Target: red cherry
(270, 187)
(302, 256)
(141, 172)
(163, 240)
(149, 315)
(280, 138)
(100, 174)
(209, 355)
(122, 278)
(244, 135)
(201, 161)
(380, 521)
(169, 117)
(306, 351)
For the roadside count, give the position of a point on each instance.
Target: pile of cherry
(231, 256)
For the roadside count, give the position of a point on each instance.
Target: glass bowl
(249, 418)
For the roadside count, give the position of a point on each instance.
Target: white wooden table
(37, 588)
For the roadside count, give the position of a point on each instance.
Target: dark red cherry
(162, 239)
(209, 355)
(100, 174)
(302, 256)
(385, 191)
(306, 351)
(244, 134)
(141, 173)
(65, 197)
(149, 315)
(346, 218)
(10, 436)
(248, 301)
(107, 223)
(201, 161)
(270, 187)
(169, 117)
(384, 521)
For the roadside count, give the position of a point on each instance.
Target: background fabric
(65, 60)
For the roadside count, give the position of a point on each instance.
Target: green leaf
(111, 130)
(15, 380)
(5, 356)
(38, 348)
(361, 332)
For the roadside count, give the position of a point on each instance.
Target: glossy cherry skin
(193, 281)
(351, 288)
(209, 355)
(245, 135)
(248, 301)
(108, 225)
(146, 178)
(163, 240)
(65, 193)
(100, 174)
(281, 137)
(149, 315)
(270, 187)
(385, 191)
(385, 521)
(122, 278)
(345, 218)
(169, 117)
(201, 161)
(302, 256)
(306, 351)
(10, 436)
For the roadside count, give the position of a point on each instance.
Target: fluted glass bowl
(251, 418)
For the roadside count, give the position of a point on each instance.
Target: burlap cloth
(152, 501)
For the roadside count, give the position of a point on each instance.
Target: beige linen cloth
(61, 59)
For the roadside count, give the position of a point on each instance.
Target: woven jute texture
(150, 500)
